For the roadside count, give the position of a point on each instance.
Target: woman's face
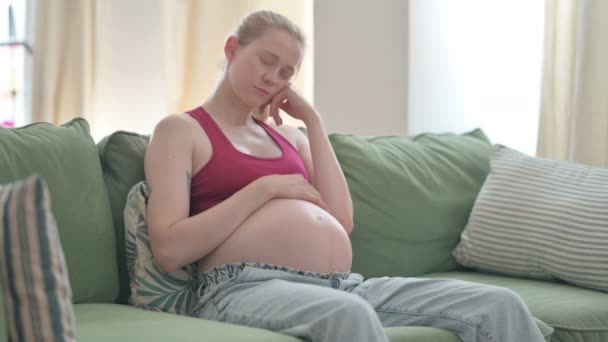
(260, 69)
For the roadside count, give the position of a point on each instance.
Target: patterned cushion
(151, 288)
(36, 288)
(540, 218)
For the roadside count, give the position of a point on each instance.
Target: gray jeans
(324, 307)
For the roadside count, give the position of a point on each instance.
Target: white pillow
(539, 218)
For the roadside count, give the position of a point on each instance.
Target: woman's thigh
(295, 305)
(473, 311)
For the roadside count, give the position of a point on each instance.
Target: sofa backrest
(412, 195)
(122, 160)
(67, 158)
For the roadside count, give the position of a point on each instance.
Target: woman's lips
(262, 91)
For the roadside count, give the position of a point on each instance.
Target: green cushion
(540, 218)
(577, 314)
(3, 328)
(420, 334)
(122, 159)
(412, 197)
(67, 158)
(114, 322)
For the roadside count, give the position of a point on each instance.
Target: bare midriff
(286, 232)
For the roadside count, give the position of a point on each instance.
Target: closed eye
(266, 61)
(286, 74)
(271, 60)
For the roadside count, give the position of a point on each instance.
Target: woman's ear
(230, 47)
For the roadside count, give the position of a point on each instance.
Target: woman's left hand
(291, 102)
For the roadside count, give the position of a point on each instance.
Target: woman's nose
(270, 77)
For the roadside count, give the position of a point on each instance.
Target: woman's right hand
(293, 186)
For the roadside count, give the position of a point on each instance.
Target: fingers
(295, 186)
(316, 196)
(319, 202)
(276, 102)
(274, 112)
(277, 119)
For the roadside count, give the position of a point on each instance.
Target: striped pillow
(36, 289)
(540, 218)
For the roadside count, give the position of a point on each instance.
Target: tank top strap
(213, 131)
(282, 141)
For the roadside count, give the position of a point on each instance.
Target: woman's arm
(177, 239)
(328, 177)
(317, 154)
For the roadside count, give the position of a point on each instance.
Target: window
(477, 63)
(15, 62)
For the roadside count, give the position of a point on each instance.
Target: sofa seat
(115, 322)
(576, 314)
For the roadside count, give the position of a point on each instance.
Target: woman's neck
(225, 105)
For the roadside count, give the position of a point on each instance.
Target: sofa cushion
(3, 328)
(412, 197)
(113, 322)
(38, 297)
(66, 157)
(151, 288)
(116, 322)
(541, 219)
(122, 160)
(576, 314)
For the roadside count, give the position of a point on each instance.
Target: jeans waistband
(225, 272)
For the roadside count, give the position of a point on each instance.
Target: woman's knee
(354, 302)
(353, 307)
(501, 299)
(352, 313)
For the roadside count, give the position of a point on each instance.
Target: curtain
(194, 35)
(574, 107)
(63, 76)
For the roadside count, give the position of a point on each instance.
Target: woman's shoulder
(176, 127)
(287, 131)
(293, 134)
(175, 121)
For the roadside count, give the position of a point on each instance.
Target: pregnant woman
(266, 213)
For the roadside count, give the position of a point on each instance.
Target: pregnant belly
(290, 233)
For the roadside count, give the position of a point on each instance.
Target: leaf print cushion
(151, 288)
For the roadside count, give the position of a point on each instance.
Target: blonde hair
(253, 27)
(255, 24)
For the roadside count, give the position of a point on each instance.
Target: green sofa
(412, 197)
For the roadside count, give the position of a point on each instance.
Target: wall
(361, 65)
(469, 66)
(131, 80)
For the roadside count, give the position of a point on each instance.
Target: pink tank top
(229, 170)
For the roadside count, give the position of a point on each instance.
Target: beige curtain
(194, 36)
(63, 77)
(574, 107)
